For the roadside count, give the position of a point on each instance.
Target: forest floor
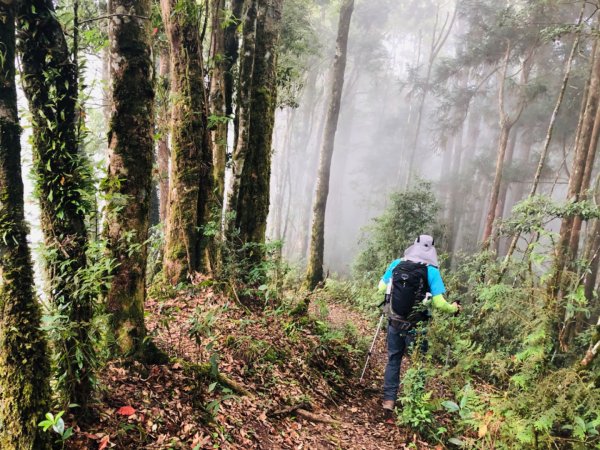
(285, 386)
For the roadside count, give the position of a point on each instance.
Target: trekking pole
(372, 346)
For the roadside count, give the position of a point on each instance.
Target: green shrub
(409, 214)
(522, 393)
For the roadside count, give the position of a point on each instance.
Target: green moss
(253, 199)
(191, 158)
(24, 367)
(132, 148)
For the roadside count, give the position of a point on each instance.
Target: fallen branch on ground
(205, 371)
(315, 418)
(290, 409)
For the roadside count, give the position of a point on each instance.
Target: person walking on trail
(406, 282)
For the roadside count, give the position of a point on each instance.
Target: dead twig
(289, 410)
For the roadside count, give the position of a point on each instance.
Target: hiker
(407, 281)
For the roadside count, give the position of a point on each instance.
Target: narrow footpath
(276, 399)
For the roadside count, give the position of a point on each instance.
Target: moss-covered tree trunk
(24, 366)
(129, 179)
(63, 181)
(243, 112)
(314, 273)
(191, 158)
(252, 205)
(232, 43)
(163, 150)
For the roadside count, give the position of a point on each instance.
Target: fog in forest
(420, 102)
(198, 200)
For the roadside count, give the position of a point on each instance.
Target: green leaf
(450, 406)
(67, 434)
(59, 426)
(456, 442)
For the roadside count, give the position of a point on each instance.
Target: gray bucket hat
(422, 251)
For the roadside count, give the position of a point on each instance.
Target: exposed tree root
(301, 409)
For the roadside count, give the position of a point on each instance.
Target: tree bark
(563, 255)
(232, 41)
(25, 369)
(495, 193)
(191, 159)
(129, 180)
(593, 349)
(219, 123)
(504, 187)
(314, 273)
(549, 133)
(248, 200)
(163, 117)
(252, 206)
(506, 124)
(592, 254)
(243, 111)
(62, 179)
(585, 183)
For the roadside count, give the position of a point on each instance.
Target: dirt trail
(172, 407)
(360, 414)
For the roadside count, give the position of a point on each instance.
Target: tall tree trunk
(495, 193)
(563, 255)
(243, 111)
(314, 273)
(163, 117)
(592, 254)
(585, 183)
(283, 177)
(549, 133)
(504, 187)
(63, 178)
(249, 197)
(129, 181)
(219, 120)
(311, 164)
(191, 159)
(25, 369)
(232, 43)
(506, 124)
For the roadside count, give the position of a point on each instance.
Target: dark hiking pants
(397, 342)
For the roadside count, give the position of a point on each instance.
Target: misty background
(416, 105)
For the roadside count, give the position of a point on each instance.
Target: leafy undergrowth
(275, 370)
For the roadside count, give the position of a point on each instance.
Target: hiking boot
(388, 411)
(388, 405)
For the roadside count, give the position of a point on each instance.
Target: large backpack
(409, 287)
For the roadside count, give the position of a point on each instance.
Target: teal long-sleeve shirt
(437, 289)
